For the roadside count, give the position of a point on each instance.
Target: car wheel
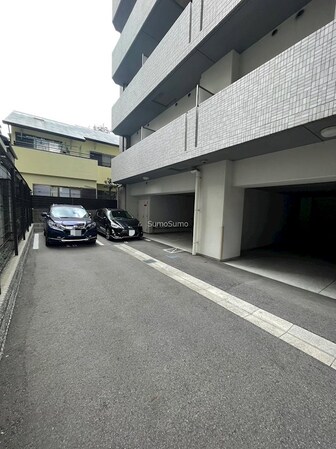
(92, 242)
(108, 233)
(47, 242)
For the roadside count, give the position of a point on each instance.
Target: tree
(112, 188)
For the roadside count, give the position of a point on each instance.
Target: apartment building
(227, 120)
(61, 160)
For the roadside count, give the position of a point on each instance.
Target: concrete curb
(10, 281)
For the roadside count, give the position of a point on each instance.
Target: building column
(233, 212)
(221, 212)
(127, 201)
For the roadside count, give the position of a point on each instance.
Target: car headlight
(54, 225)
(114, 224)
(91, 225)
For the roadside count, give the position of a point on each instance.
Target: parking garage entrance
(289, 235)
(168, 219)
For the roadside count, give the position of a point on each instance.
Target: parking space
(292, 308)
(105, 350)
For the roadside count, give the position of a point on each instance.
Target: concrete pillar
(232, 216)
(221, 212)
(121, 197)
(130, 202)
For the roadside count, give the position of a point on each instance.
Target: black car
(65, 223)
(117, 224)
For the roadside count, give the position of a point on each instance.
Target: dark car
(65, 223)
(117, 224)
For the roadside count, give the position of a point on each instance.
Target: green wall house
(61, 160)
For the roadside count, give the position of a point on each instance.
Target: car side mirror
(44, 215)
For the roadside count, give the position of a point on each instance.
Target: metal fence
(43, 203)
(15, 205)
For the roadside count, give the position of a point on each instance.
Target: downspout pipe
(196, 210)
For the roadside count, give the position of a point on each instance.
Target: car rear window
(120, 214)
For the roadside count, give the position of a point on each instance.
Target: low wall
(10, 283)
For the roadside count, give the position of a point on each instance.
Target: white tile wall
(135, 22)
(173, 48)
(296, 87)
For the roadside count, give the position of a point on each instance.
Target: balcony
(39, 143)
(203, 34)
(148, 23)
(51, 164)
(52, 146)
(121, 9)
(283, 104)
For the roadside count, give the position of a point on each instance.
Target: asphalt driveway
(105, 352)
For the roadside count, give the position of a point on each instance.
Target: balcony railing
(37, 143)
(131, 30)
(294, 88)
(121, 9)
(179, 42)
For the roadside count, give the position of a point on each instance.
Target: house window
(104, 160)
(63, 192)
(42, 190)
(53, 191)
(39, 143)
(75, 193)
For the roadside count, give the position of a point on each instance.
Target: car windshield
(119, 214)
(68, 212)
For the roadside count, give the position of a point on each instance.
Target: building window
(75, 193)
(104, 160)
(42, 190)
(63, 192)
(39, 143)
(53, 191)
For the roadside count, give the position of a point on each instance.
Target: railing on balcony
(194, 98)
(121, 10)
(40, 143)
(294, 88)
(52, 146)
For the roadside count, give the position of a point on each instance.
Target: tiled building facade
(212, 91)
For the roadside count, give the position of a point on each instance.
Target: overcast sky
(56, 60)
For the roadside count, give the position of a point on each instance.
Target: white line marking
(148, 240)
(36, 241)
(296, 336)
(99, 243)
(173, 250)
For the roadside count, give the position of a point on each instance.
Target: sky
(56, 60)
